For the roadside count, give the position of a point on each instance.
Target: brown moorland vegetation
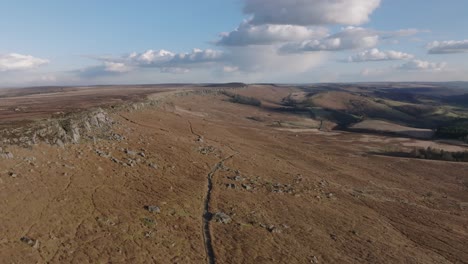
(194, 178)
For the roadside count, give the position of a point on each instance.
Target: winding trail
(199, 137)
(207, 215)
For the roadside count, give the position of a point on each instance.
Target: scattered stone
(273, 229)
(314, 260)
(12, 174)
(206, 150)
(247, 187)
(221, 217)
(59, 143)
(6, 155)
(231, 186)
(148, 234)
(117, 137)
(131, 162)
(323, 183)
(29, 241)
(330, 195)
(298, 178)
(68, 166)
(130, 153)
(153, 209)
(142, 154)
(30, 159)
(236, 178)
(102, 153)
(334, 237)
(153, 165)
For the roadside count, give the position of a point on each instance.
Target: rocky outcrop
(71, 128)
(85, 125)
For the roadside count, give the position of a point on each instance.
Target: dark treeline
(240, 99)
(438, 154)
(457, 130)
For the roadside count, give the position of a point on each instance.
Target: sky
(87, 42)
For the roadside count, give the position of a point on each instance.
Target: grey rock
(231, 186)
(206, 150)
(221, 217)
(314, 260)
(236, 178)
(102, 153)
(247, 187)
(6, 155)
(30, 242)
(130, 153)
(153, 209)
(274, 229)
(70, 128)
(117, 137)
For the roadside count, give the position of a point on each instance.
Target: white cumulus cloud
(198, 56)
(149, 57)
(266, 59)
(349, 38)
(377, 55)
(165, 61)
(230, 68)
(16, 62)
(164, 58)
(310, 12)
(248, 34)
(116, 67)
(174, 70)
(420, 65)
(447, 47)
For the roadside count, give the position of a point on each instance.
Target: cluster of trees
(455, 131)
(438, 154)
(240, 99)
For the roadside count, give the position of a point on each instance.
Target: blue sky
(97, 42)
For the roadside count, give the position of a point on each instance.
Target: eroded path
(207, 215)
